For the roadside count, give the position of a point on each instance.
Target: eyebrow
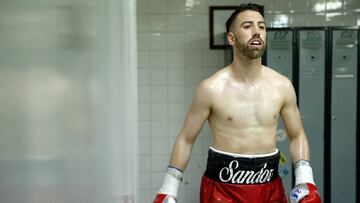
(252, 22)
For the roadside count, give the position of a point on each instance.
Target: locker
(343, 115)
(311, 95)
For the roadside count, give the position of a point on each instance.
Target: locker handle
(344, 75)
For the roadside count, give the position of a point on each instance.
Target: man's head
(243, 7)
(246, 30)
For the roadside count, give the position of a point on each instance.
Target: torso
(244, 117)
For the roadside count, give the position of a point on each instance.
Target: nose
(255, 30)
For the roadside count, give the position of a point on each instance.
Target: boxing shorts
(235, 178)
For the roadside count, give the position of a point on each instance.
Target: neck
(246, 70)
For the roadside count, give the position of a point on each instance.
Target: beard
(249, 52)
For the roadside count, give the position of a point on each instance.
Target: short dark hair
(241, 8)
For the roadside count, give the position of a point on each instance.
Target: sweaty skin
(242, 101)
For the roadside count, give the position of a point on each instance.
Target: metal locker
(279, 56)
(311, 95)
(343, 111)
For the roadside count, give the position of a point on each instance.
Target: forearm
(299, 148)
(181, 152)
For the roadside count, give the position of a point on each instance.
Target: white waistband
(246, 155)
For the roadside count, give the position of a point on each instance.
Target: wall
(174, 56)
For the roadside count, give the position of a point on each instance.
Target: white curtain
(68, 92)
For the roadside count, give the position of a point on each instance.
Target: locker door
(311, 95)
(343, 109)
(279, 56)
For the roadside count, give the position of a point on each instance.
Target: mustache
(256, 38)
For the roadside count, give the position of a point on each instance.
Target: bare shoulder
(215, 82)
(277, 78)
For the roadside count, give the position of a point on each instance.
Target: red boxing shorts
(234, 178)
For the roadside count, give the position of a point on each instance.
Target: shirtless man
(242, 102)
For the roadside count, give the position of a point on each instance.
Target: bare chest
(248, 108)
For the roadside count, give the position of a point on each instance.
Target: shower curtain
(68, 95)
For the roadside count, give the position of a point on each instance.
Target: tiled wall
(174, 56)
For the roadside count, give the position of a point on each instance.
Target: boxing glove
(170, 186)
(164, 198)
(305, 190)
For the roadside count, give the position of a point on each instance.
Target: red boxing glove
(164, 198)
(305, 193)
(305, 190)
(169, 189)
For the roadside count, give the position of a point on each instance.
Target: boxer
(242, 103)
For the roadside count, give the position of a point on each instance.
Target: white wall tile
(196, 23)
(193, 58)
(193, 75)
(175, 59)
(143, 76)
(145, 163)
(351, 19)
(197, 6)
(146, 195)
(142, 6)
(143, 59)
(176, 76)
(160, 146)
(158, 76)
(176, 7)
(158, 41)
(196, 40)
(157, 6)
(333, 6)
(281, 6)
(144, 111)
(213, 58)
(144, 129)
(297, 19)
(143, 23)
(175, 41)
(316, 6)
(145, 146)
(159, 164)
(352, 5)
(158, 111)
(143, 41)
(176, 23)
(176, 93)
(176, 111)
(334, 19)
(158, 93)
(159, 129)
(158, 59)
(157, 23)
(299, 6)
(316, 19)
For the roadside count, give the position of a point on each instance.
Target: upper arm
(290, 112)
(198, 113)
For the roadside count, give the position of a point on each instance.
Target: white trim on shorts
(245, 155)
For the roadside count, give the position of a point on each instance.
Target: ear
(231, 38)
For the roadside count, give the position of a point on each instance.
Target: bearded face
(252, 49)
(247, 34)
